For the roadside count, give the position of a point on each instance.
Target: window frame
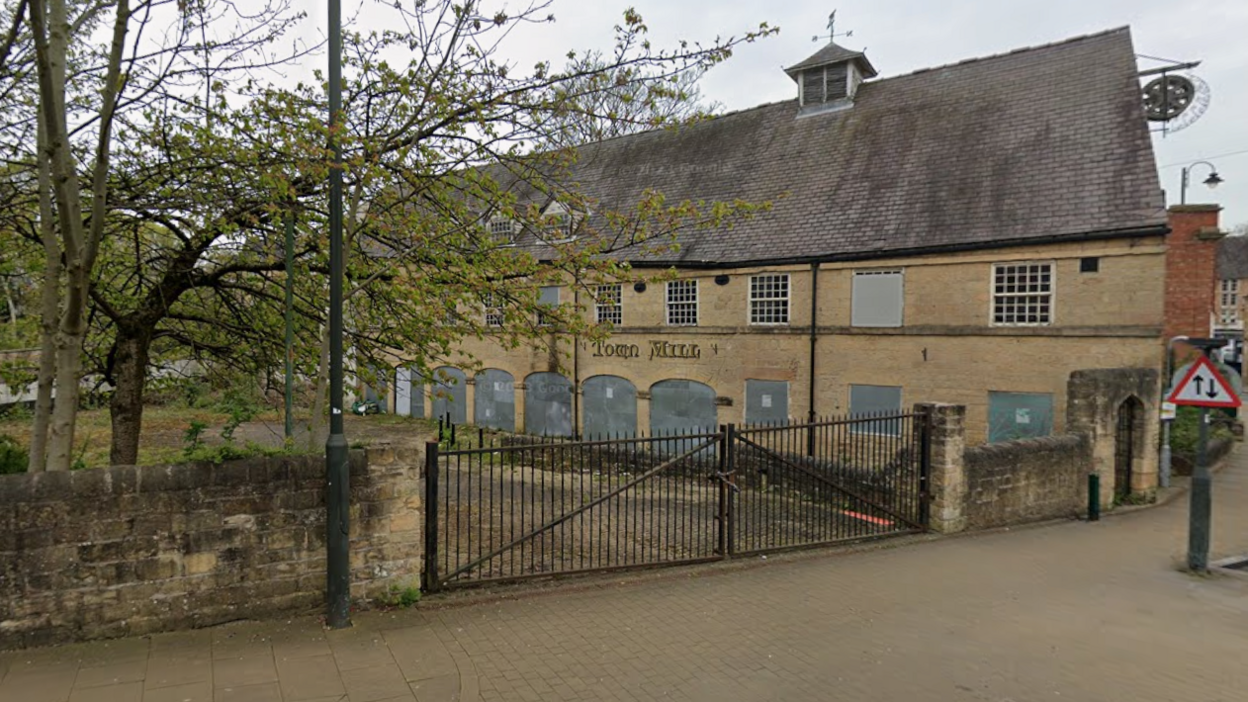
(667, 302)
(853, 296)
(856, 428)
(493, 228)
(565, 224)
(788, 300)
(994, 296)
(493, 313)
(542, 321)
(617, 304)
(1228, 314)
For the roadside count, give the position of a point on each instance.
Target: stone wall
(1095, 399)
(1026, 481)
(127, 551)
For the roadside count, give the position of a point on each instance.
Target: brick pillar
(947, 481)
(1191, 270)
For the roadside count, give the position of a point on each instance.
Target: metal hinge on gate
(725, 478)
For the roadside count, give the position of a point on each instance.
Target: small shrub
(1185, 430)
(242, 406)
(402, 596)
(193, 438)
(13, 458)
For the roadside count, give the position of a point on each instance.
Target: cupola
(829, 79)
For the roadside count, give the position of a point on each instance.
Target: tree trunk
(65, 409)
(131, 355)
(51, 32)
(8, 296)
(49, 301)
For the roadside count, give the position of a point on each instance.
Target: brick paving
(1070, 611)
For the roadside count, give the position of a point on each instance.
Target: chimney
(1192, 270)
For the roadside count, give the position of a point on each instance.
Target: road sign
(1203, 386)
(1169, 410)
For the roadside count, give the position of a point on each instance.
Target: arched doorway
(450, 394)
(547, 405)
(609, 407)
(495, 400)
(409, 393)
(1128, 445)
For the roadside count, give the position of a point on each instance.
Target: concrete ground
(1071, 611)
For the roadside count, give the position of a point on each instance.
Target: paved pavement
(1065, 612)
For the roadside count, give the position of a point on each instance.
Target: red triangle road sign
(1204, 386)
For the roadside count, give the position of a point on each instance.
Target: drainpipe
(814, 339)
(576, 371)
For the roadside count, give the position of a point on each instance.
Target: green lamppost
(337, 523)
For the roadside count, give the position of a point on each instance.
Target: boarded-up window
(875, 402)
(547, 405)
(409, 393)
(547, 297)
(766, 402)
(609, 407)
(450, 394)
(1019, 415)
(878, 298)
(494, 402)
(682, 407)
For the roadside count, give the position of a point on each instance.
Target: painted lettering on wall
(666, 349)
(603, 349)
(657, 349)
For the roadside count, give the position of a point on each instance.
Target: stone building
(971, 234)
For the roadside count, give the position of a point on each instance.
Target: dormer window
(559, 224)
(503, 228)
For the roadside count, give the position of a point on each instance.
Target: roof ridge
(1022, 50)
(710, 117)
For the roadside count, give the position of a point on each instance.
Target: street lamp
(337, 492)
(1213, 181)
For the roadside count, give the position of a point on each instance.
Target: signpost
(1204, 387)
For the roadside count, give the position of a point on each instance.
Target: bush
(13, 458)
(1185, 430)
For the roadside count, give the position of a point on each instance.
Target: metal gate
(524, 508)
(1124, 448)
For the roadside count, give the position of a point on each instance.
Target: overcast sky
(901, 36)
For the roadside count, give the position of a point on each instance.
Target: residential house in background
(1229, 304)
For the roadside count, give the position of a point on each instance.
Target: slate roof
(1233, 258)
(1044, 143)
(834, 53)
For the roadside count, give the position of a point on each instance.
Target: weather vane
(832, 30)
